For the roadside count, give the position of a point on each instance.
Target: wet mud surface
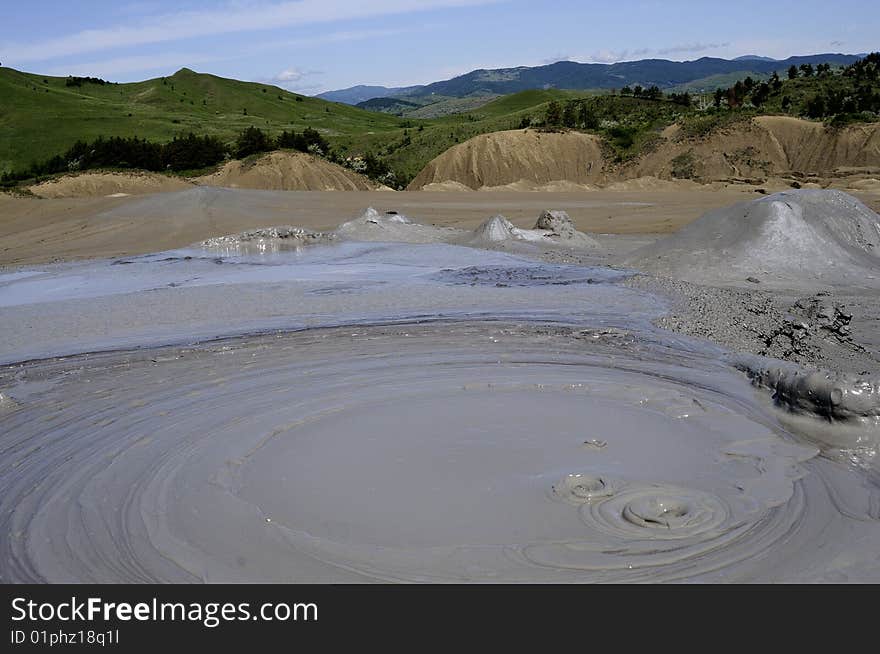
(441, 452)
(335, 408)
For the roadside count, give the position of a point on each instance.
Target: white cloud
(607, 56)
(691, 47)
(613, 56)
(230, 18)
(289, 75)
(294, 79)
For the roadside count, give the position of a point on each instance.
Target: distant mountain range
(572, 75)
(358, 94)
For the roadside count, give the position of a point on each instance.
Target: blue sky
(316, 45)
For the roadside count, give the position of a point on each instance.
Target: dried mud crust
(835, 332)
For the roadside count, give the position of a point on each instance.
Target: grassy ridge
(40, 116)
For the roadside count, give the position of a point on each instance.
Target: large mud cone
(805, 239)
(495, 230)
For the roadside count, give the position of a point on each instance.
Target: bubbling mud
(441, 452)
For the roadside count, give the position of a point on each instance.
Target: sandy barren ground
(41, 230)
(37, 231)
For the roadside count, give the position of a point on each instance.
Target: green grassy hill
(41, 116)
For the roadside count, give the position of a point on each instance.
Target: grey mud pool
(427, 412)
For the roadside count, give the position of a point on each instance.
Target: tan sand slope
(85, 185)
(277, 171)
(767, 146)
(650, 183)
(870, 185)
(558, 186)
(445, 187)
(524, 157)
(287, 171)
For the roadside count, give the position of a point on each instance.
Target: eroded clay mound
(90, 185)
(763, 148)
(514, 157)
(796, 239)
(287, 171)
(560, 228)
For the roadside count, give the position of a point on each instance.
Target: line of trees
(748, 89)
(182, 153)
(655, 93)
(574, 114)
(192, 152)
(579, 114)
(807, 70)
(637, 91)
(865, 70)
(843, 101)
(79, 81)
(859, 94)
(253, 140)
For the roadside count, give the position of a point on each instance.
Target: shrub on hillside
(309, 140)
(192, 152)
(253, 140)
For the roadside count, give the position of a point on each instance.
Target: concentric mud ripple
(442, 452)
(578, 488)
(666, 513)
